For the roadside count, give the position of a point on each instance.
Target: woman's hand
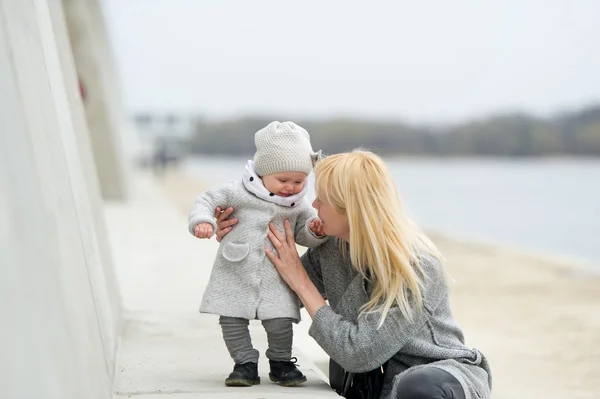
(290, 268)
(224, 225)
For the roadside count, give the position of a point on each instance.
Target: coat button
(251, 178)
(293, 203)
(271, 194)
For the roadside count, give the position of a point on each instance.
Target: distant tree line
(513, 135)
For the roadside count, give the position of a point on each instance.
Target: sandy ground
(537, 319)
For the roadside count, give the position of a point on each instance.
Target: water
(550, 206)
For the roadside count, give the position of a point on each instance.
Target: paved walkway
(167, 347)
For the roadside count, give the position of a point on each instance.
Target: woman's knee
(417, 389)
(429, 383)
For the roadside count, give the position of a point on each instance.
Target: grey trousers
(238, 342)
(430, 383)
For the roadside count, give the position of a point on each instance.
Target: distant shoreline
(498, 200)
(557, 260)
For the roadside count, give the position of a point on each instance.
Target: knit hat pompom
(283, 147)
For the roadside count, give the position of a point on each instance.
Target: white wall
(59, 306)
(95, 66)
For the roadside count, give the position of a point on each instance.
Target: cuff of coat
(321, 321)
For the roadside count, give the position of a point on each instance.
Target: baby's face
(284, 184)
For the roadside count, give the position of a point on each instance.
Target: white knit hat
(283, 147)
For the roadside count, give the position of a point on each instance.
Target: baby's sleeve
(303, 234)
(203, 210)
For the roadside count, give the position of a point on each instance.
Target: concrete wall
(58, 297)
(95, 67)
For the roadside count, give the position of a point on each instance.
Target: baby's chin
(284, 195)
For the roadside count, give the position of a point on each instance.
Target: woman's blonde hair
(385, 245)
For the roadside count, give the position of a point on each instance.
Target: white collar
(254, 184)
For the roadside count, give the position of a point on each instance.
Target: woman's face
(335, 223)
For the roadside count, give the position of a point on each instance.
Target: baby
(244, 285)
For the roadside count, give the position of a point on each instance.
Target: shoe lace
(292, 364)
(288, 365)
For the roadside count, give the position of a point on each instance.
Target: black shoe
(243, 375)
(286, 373)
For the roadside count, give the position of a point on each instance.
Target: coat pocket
(235, 252)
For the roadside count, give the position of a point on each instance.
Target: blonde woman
(385, 284)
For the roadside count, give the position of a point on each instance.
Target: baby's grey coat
(432, 340)
(243, 282)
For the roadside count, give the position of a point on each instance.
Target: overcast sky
(420, 61)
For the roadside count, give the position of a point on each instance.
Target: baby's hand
(203, 230)
(316, 226)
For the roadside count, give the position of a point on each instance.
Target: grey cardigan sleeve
(203, 210)
(360, 346)
(303, 234)
(313, 269)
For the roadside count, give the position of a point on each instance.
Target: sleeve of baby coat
(203, 210)
(303, 234)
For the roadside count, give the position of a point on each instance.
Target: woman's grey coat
(432, 340)
(243, 282)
